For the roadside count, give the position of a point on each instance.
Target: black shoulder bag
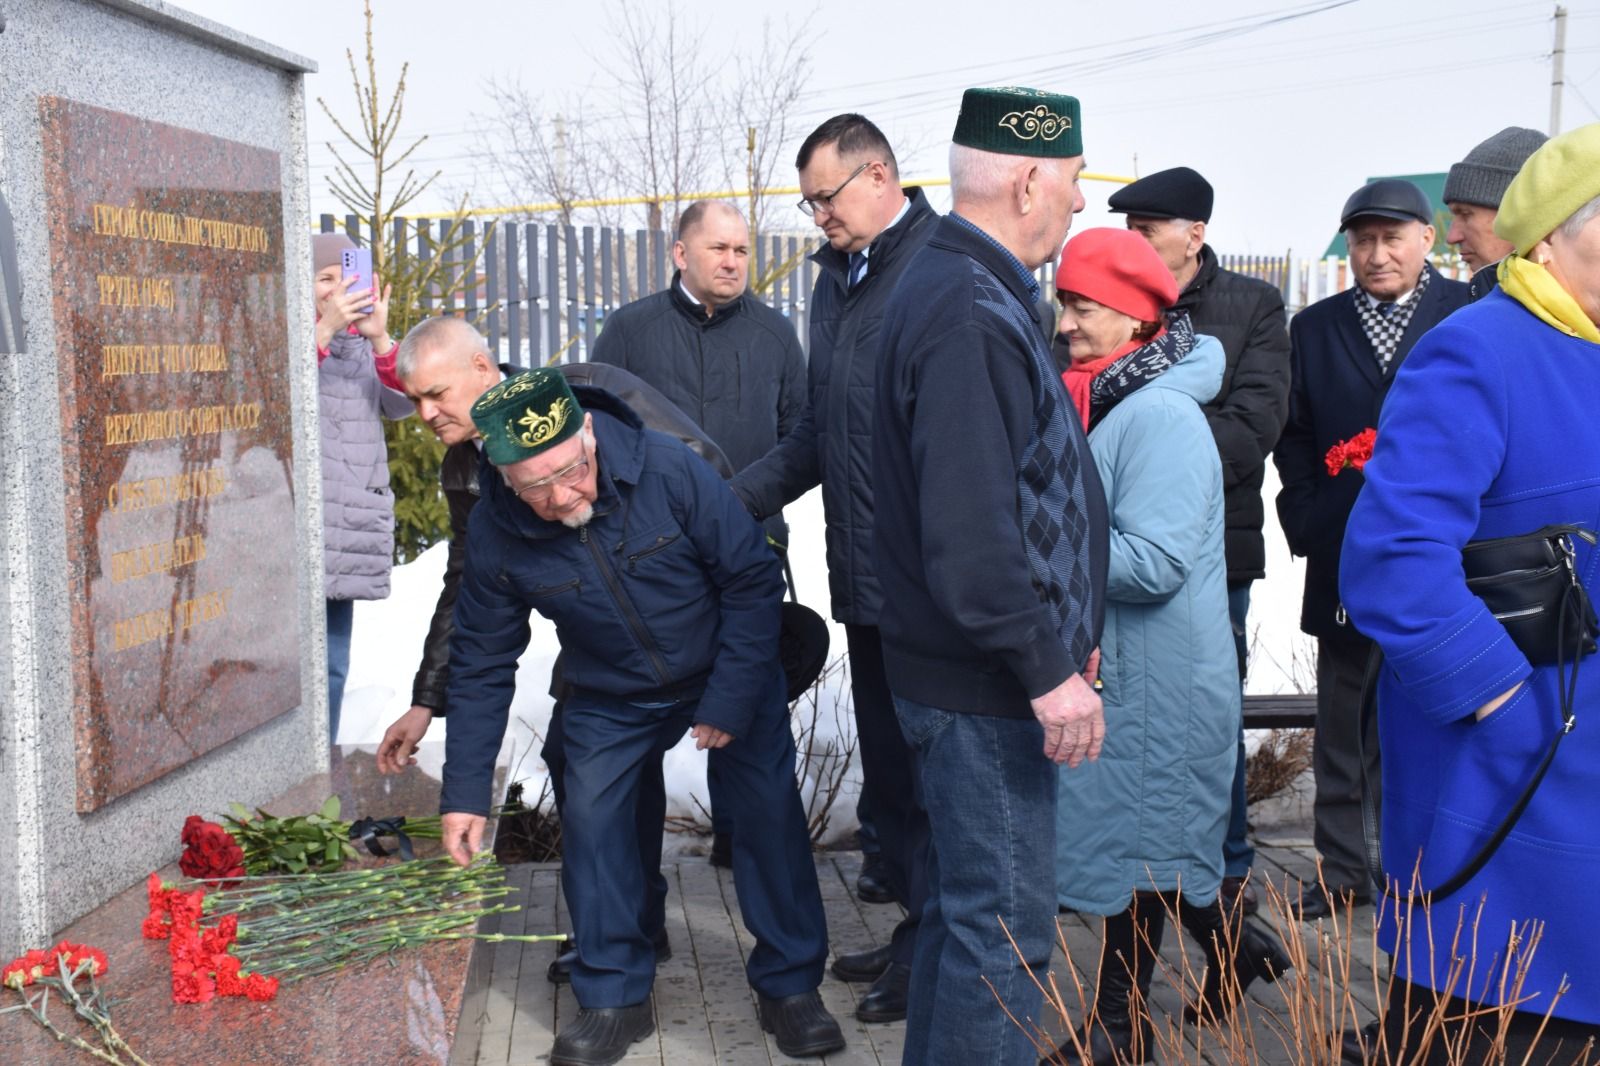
(1530, 584)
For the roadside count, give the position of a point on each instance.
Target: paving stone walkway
(705, 1011)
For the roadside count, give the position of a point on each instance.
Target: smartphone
(357, 263)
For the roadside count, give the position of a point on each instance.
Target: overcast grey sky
(1285, 119)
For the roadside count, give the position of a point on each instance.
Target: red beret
(1117, 268)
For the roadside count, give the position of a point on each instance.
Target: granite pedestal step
(409, 1008)
(705, 1011)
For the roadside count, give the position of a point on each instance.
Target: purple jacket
(357, 506)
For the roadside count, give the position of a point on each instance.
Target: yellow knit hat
(1562, 176)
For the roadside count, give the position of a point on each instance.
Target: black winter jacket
(833, 442)
(1248, 413)
(740, 374)
(458, 477)
(669, 591)
(1337, 392)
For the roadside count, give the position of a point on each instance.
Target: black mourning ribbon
(368, 830)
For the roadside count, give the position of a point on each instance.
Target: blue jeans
(341, 619)
(990, 795)
(1238, 854)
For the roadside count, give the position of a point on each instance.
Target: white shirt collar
(898, 215)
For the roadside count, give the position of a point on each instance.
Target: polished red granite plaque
(171, 333)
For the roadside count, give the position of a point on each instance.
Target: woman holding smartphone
(358, 389)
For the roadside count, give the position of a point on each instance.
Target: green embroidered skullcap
(1016, 121)
(525, 414)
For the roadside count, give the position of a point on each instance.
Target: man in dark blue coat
(727, 359)
(873, 227)
(1345, 351)
(990, 539)
(666, 600)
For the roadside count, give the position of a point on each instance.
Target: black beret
(1393, 198)
(1176, 193)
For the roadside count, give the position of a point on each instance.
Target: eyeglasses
(544, 488)
(825, 203)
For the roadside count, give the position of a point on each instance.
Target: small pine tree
(421, 518)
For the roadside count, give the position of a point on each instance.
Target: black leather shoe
(722, 850)
(872, 886)
(1315, 903)
(1359, 1049)
(800, 1024)
(1238, 892)
(599, 1036)
(560, 971)
(885, 1001)
(863, 965)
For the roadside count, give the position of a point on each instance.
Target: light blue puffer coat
(1152, 812)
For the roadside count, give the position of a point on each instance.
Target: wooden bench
(1286, 711)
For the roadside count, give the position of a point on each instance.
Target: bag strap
(1566, 686)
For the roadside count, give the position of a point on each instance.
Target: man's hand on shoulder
(399, 745)
(1074, 721)
(462, 835)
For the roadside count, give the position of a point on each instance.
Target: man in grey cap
(1170, 209)
(1472, 192)
(1345, 351)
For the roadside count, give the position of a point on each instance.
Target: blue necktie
(858, 268)
(1386, 309)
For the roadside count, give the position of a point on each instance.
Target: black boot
(1118, 1032)
(1256, 954)
(599, 1036)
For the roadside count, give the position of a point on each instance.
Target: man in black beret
(1345, 351)
(1171, 209)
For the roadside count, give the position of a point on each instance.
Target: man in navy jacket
(990, 540)
(666, 600)
(1344, 354)
(852, 187)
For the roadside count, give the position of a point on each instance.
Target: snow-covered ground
(387, 646)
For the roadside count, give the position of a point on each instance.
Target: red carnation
(156, 927)
(190, 984)
(17, 974)
(228, 981)
(216, 941)
(1351, 454)
(260, 987)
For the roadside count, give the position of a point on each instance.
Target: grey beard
(581, 519)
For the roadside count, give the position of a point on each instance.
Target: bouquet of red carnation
(1351, 454)
(69, 970)
(210, 852)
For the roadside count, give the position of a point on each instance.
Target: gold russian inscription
(158, 558)
(141, 493)
(167, 227)
(137, 427)
(161, 623)
(207, 607)
(132, 290)
(140, 629)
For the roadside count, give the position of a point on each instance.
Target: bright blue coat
(1492, 429)
(1152, 812)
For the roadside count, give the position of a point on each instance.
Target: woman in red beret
(1148, 819)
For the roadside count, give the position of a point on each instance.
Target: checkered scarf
(1385, 330)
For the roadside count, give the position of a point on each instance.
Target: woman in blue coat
(1140, 831)
(1490, 431)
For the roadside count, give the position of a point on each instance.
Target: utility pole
(1558, 58)
(750, 176)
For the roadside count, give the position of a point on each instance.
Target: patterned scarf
(1385, 330)
(1139, 367)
